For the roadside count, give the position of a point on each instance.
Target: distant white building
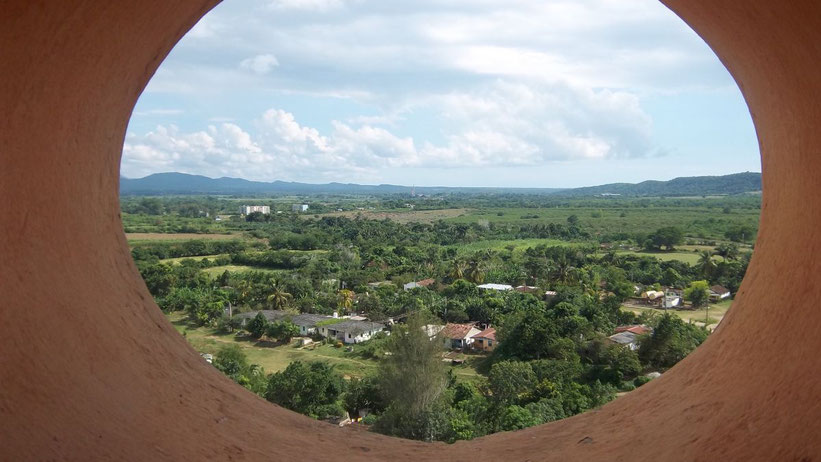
(718, 293)
(249, 209)
(500, 287)
(299, 208)
(350, 331)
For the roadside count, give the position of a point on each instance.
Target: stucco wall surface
(91, 370)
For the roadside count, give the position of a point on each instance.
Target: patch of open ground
(215, 271)
(686, 257)
(409, 216)
(197, 258)
(274, 357)
(518, 245)
(716, 311)
(177, 236)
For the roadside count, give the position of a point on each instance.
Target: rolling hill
(182, 183)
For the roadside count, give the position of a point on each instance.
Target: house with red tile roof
(638, 329)
(458, 336)
(485, 340)
(422, 283)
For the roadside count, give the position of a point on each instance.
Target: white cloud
(260, 64)
(502, 124)
(426, 84)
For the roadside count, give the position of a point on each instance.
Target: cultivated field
(400, 216)
(696, 222)
(178, 236)
(215, 271)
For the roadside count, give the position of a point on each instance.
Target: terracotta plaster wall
(90, 369)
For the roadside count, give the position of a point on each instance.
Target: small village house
(458, 336)
(485, 340)
(627, 339)
(307, 322)
(499, 287)
(350, 331)
(718, 293)
(629, 335)
(299, 208)
(270, 316)
(422, 283)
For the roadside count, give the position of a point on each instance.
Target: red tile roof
(489, 333)
(425, 282)
(637, 329)
(452, 330)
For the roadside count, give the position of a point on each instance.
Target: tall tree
(457, 270)
(278, 298)
(412, 379)
(705, 264)
(344, 300)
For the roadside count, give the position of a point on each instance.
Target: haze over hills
(182, 183)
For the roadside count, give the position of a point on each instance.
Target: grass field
(144, 237)
(215, 271)
(700, 222)
(275, 358)
(400, 216)
(502, 244)
(686, 257)
(699, 316)
(199, 258)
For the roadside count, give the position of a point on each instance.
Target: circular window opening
(437, 217)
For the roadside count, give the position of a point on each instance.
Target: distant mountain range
(183, 183)
(737, 183)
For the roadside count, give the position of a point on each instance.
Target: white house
(350, 331)
(299, 208)
(718, 292)
(307, 322)
(249, 209)
(500, 287)
(458, 336)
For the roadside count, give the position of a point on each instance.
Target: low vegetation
(553, 357)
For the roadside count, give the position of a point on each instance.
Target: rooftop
(623, 338)
(309, 320)
(496, 286)
(355, 327)
(489, 333)
(452, 330)
(270, 315)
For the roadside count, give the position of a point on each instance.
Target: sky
(515, 93)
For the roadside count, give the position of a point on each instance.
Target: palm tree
(278, 299)
(457, 270)
(562, 269)
(475, 273)
(345, 300)
(727, 251)
(243, 291)
(705, 263)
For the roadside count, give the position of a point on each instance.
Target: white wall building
(350, 331)
(299, 208)
(249, 209)
(491, 286)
